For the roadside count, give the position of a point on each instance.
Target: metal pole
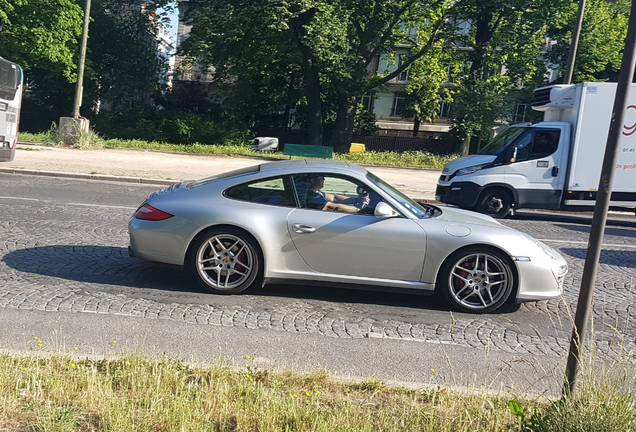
(621, 99)
(574, 44)
(82, 59)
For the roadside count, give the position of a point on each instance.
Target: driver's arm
(331, 206)
(339, 198)
(357, 201)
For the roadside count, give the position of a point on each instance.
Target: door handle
(303, 229)
(555, 171)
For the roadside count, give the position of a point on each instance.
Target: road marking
(585, 243)
(73, 204)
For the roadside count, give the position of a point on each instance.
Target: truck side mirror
(511, 154)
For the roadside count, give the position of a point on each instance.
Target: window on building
(399, 102)
(445, 110)
(367, 101)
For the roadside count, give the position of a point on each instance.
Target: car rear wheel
(225, 261)
(477, 280)
(495, 203)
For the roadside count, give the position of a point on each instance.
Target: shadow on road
(624, 259)
(627, 221)
(107, 265)
(609, 230)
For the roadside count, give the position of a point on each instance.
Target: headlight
(470, 169)
(544, 247)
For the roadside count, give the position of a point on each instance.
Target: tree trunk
(416, 126)
(311, 76)
(314, 103)
(464, 147)
(343, 129)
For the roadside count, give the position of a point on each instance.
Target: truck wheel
(495, 203)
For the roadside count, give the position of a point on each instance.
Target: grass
(91, 140)
(132, 393)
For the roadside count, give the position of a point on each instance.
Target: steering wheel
(362, 193)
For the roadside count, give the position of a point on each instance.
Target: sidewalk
(150, 167)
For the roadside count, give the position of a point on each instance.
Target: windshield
(501, 140)
(419, 210)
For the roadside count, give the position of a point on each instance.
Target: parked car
(328, 222)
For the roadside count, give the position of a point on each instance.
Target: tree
(601, 40)
(334, 44)
(123, 67)
(257, 67)
(429, 87)
(41, 34)
(380, 27)
(503, 49)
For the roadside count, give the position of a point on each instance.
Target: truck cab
(523, 166)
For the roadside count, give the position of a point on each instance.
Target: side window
(545, 143)
(523, 145)
(335, 193)
(274, 191)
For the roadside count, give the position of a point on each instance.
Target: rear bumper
(6, 154)
(461, 194)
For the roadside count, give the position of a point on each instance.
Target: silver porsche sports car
(329, 222)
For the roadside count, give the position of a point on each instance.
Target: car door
(357, 244)
(536, 172)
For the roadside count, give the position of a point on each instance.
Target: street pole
(603, 196)
(82, 59)
(574, 44)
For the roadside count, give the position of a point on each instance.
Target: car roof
(309, 165)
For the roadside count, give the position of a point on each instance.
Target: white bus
(11, 81)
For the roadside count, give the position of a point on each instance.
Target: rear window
(234, 173)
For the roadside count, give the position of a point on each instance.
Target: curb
(102, 177)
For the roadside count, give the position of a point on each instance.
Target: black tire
(225, 260)
(495, 203)
(477, 279)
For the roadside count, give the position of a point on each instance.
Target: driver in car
(332, 202)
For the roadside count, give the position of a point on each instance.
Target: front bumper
(541, 278)
(461, 194)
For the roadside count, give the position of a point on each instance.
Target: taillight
(148, 212)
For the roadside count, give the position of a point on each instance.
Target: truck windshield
(501, 140)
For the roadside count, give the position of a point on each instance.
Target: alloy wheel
(225, 262)
(480, 281)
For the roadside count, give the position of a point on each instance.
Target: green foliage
(478, 103)
(364, 123)
(535, 422)
(41, 34)
(601, 40)
(123, 67)
(173, 127)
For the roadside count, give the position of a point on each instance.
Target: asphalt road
(66, 278)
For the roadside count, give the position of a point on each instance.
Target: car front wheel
(495, 203)
(477, 280)
(225, 261)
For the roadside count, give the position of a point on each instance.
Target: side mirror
(511, 154)
(383, 210)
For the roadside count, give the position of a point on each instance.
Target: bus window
(11, 83)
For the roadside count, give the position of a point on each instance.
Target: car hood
(467, 161)
(459, 216)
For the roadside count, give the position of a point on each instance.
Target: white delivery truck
(553, 164)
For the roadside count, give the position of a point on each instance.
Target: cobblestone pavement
(63, 248)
